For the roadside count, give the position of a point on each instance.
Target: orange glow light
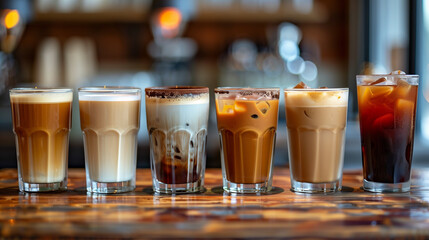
(170, 18)
(11, 19)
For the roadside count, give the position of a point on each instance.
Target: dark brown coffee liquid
(387, 131)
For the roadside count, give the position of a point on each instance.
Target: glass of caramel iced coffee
(41, 123)
(177, 124)
(316, 124)
(110, 121)
(247, 123)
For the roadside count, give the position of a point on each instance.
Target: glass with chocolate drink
(316, 123)
(41, 123)
(387, 109)
(247, 124)
(177, 124)
(110, 121)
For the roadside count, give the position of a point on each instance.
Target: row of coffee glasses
(177, 120)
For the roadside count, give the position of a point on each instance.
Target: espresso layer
(248, 93)
(175, 91)
(179, 100)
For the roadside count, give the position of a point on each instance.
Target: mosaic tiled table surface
(351, 213)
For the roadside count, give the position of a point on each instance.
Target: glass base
(110, 187)
(306, 187)
(42, 187)
(246, 187)
(385, 187)
(160, 187)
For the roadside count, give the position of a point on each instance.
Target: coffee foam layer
(316, 98)
(195, 99)
(41, 97)
(106, 97)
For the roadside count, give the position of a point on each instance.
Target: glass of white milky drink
(110, 121)
(177, 124)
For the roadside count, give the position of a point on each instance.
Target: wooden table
(214, 214)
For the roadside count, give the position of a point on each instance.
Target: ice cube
(364, 94)
(380, 91)
(158, 144)
(263, 106)
(244, 95)
(401, 90)
(397, 72)
(380, 80)
(384, 122)
(403, 83)
(226, 106)
(404, 113)
(263, 97)
(180, 142)
(240, 106)
(301, 85)
(316, 96)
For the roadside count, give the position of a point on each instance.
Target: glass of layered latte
(177, 124)
(110, 121)
(41, 123)
(316, 124)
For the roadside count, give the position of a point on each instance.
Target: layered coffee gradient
(41, 123)
(247, 123)
(177, 124)
(316, 124)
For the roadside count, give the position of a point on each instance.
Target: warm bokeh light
(11, 19)
(170, 18)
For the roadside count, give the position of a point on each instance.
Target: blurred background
(256, 43)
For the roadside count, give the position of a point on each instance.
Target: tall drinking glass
(110, 121)
(247, 123)
(387, 109)
(41, 123)
(316, 123)
(177, 124)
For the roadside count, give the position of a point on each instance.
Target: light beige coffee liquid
(110, 128)
(316, 123)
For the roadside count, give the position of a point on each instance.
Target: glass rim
(372, 80)
(389, 75)
(109, 89)
(240, 89)
(28, 90)
(316, 89)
